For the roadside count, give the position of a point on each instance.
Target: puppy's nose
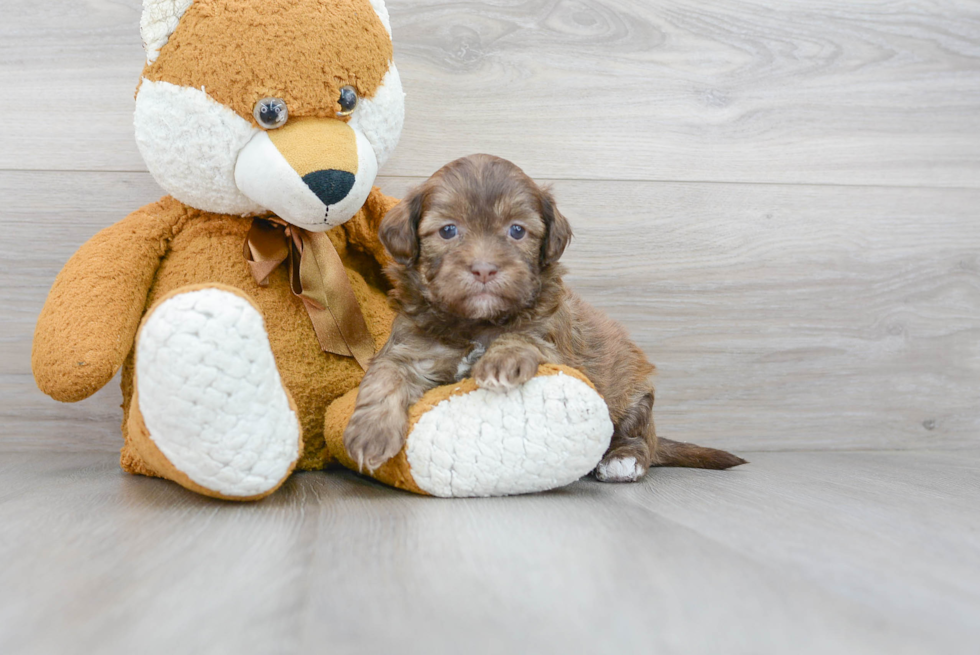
(483, 271)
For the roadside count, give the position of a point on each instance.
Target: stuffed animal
(243, 307)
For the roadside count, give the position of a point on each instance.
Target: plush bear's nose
(330, 186)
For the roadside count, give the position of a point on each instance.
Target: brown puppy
(479, 292)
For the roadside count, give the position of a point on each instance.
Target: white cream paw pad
(619, 469)
(211, 396)
(545, 434)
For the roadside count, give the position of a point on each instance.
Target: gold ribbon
(318, 278)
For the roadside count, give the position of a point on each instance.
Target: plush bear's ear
(158, 22)
(558, 233)
(399, 231)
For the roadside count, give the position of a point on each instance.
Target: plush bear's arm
(362, 230)
(90, 318)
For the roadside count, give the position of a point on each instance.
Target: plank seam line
(925, 448)
(581, 179)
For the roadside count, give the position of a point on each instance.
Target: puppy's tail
(678, 453)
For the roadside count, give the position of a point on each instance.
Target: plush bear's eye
(517, 232)
(447, 231)
(270, 113)
(347, 100)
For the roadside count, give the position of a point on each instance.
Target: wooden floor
(868, 552)
(780, 200)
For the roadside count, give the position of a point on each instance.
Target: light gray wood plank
(898, 530)
(674, 564)
(72, 68)
(780, 317)
(828, 92)
(817, 316)
(33, 422)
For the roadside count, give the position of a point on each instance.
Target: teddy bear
(243, 307)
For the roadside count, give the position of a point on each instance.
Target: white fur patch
(545, 434)
(159, 20)
(264, 175)
(619, 469)
(190, 144)
(211, 395)
(467, 363)
(381, 117)
(207, 156)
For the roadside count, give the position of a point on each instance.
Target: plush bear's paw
(547, 433)
(210, 394)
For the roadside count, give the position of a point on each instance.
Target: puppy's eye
(517, 232)
(347, 100)
(447, 231)
(270, 113)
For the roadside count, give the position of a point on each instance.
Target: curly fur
(489, 290)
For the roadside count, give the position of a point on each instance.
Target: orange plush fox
(243, 307)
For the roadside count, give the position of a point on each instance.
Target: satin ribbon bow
(318, 278)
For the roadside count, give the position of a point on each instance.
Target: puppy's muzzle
(307, 171)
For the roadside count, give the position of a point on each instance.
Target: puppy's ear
(557, 230)
(399, 231)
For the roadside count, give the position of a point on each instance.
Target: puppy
(478, 288)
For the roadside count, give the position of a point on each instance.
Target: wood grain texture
(780, 317)
(863, 553)
(735, 90)
(781, 201)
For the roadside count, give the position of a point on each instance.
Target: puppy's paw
(374, 435)
(619, 468)
(507, 369)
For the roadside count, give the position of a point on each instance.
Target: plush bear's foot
(467, 441)
(544, 434)
(213, 411)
